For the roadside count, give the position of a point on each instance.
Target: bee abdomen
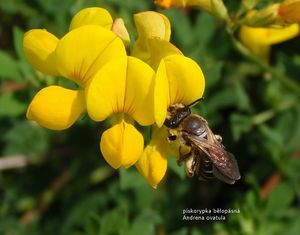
(205, 169)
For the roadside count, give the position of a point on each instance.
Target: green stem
(263, 117)
(267, 115)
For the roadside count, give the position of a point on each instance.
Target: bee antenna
(196, 101)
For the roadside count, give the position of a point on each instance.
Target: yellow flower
(205, 4)
(92, 16)
(289, 11)
(178, 79)
(152, 165)
(154, 33)
(150, 25)
(216, 7)
(123, 89)
(77, 56)
(101, 17)
(260, 40)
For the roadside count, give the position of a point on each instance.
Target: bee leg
(182, 156)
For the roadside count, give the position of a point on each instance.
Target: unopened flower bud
(119, 28)
(216, 7)
(204, 4)
(263, 17)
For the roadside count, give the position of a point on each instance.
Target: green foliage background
(65, 186)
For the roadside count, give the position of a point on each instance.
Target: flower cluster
(271, 25)
(127, 87)
(259, 29)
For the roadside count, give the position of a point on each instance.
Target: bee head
(176, 113)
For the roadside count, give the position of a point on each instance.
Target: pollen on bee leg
(185, 149)
(190, 166)
(184, 154)
(219, 138)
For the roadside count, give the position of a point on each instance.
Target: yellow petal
(278, 35)
(106, 91)
(161, 94)
(185, 83)
(149, 24)
(127, 89)
(159, 49)
(56, 108)
(119, 28)
(138, 101)
(39, 46)
(83, 51)
(152, 165)
(121, 145)
(259, 40)
(92, 16)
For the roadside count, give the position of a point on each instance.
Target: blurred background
(55, 182)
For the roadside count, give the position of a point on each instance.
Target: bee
(204, 154)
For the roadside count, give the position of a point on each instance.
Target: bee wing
(224, 162)
(222, 177)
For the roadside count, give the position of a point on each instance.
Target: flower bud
(119, 28)
(215, 7)
(263, 17)
(289, 11)
(204, 4)
(218, 9)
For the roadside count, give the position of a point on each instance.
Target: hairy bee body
(207, 157)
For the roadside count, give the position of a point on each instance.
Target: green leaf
(9, 225)
(18, 42)
(87, 206)
(240, 124)
(281, 197)
(212, 73)
(144, 223)
(182, 231)
(114, 222)
(294, 228)
(182, 29)
(178, 170)
(10, 106)
(272, 135)
(221, 99)
(9, 67)
(196, 232)
(92, 225)
(130, 178)
(243, 100)
(26, 138)
(204, 29)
